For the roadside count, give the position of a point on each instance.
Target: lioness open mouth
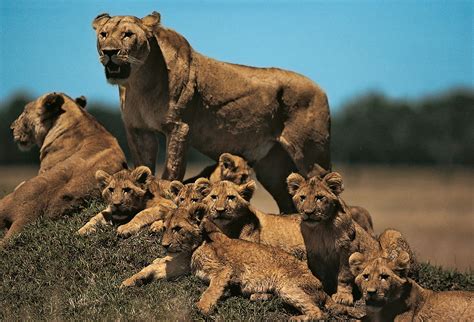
(113, 70)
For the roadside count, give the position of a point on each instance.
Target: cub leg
(15, 228)
(162, 268)
(296, 297)
(345, 278)
(214, 292)
(142, 219)
(97, 220)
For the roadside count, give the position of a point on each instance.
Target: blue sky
(406, 49)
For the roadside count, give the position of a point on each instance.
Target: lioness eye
(176, 229)
(126, 189)
(384, 276)
(365, 276)
(111, 189)
(214, 197)
(128, 34)
(302, 197)
(230, 197)
(103, 34)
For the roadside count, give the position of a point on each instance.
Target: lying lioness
(73, 146)
(391, 296)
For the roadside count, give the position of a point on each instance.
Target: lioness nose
(110, 52)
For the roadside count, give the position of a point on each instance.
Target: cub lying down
(134, 199)
(391, 296)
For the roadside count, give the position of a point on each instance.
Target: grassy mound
(48, 272)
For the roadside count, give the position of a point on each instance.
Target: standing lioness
(73, 146)
(275, 119)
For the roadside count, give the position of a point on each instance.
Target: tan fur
(391, 296)
(273, 118)
(297, 182)
(230, 167)
(329, 233)
(134, 199)
(73, 146)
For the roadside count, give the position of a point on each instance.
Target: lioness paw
(344, 298)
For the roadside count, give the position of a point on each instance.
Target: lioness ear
(103, 179)
(81, 101)
(334, 182)
(175, 187)
(356, 263)
(53, 102)
(401, 264)
(152, 19)
(246, 190)
(198, 211)
(294, 182)
(203, 185)
(100, 20)
(226, 161)
(141, 174)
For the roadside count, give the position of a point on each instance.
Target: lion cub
(391, 296)
(329, 233)
(230, 167)
(134, 199)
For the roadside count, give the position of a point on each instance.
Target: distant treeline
(369, 129)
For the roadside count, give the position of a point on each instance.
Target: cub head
(234, 168)
(380, 280)
(37, 118)
(181, 229)
(127, 190)
(229, 201)
(123, 43)
(316, 199)
(185, 195)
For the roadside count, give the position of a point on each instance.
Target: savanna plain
(49, 273)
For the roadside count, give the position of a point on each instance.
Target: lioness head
(228, 201)
(234, 168)
(37, 118)
(125, 191)
(316, 199)
(380, 280)
(185, 195)
(123, 43)
(181, 228)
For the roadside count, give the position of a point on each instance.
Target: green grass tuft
(47, 272)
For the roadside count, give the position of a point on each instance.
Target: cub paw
(260, 296)
(157, 226)
(204, 308)
(84, 231)
(126, 230)
(344, 298)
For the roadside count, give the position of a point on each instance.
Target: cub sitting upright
(134, 199)
(329, 233)
(390, 295)
(73, 146)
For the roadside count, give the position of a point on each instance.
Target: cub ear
(141, 175)
(226, 161)
(246, 190)
(294, 182)
(81, 101)
(103, 178)
(203, 185)
(175, 187)
(100, 20)
(356, 263)
(198, 211)
(53, 102)
(334, 182)
(152, 19)
(401, 264)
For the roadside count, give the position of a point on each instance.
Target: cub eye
(302, 197)
(384, 276)
(194, 200)
(127, 34)
(244, 177)
(320, 198)
(231, 197)
(176, 229)
(111, 189)
(365, 276)
(103, 34)
(181, 199)
(214, 197)
(126, 190)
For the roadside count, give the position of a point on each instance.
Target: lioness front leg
(143, 218)
(97, 220)
(143, 147)
(176, 151)
(162, 268)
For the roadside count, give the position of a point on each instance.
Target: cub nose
(110, 52)
(309, 211)
(371, 292)
(165, 245)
